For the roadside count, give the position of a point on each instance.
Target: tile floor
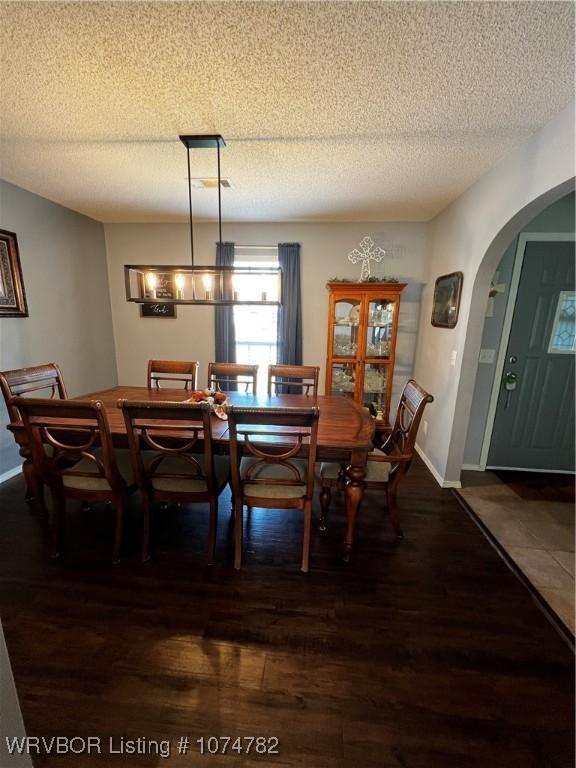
(537, 533)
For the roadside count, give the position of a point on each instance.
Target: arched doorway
(475, 324)
(509, 314)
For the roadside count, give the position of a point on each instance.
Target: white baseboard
(474, 467)
(437, 476)
(10, 474)
(531, 469)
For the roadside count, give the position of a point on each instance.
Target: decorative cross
(368, 252)
(495, 289)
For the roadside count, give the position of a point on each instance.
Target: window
(257, 326)
(562, 339)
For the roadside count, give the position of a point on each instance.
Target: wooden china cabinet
(362, 328)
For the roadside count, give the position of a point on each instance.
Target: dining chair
(272, 457)
(293, 379)
(172, 372)
(386, 465)
(21, 382)
(81, 462)
(172, 459)
(232, 377)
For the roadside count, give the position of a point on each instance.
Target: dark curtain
(225, 336)
(290, 311)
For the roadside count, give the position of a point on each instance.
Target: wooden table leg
(355, 472)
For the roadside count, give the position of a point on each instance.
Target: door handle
(510, 381)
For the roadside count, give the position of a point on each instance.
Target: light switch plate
(487, 356)
(453, 356)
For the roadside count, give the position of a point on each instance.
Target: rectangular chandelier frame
(181, 284)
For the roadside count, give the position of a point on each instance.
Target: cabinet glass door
(343, 379)
(345, 320)
(375, 385)
(379, 328)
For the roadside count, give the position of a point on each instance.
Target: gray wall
(323, 255)
(558, 217)
(64, 268)
(471, 235)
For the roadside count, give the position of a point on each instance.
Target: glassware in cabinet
(343, 377)
(375, 386)
(345, 322)
(379, 328)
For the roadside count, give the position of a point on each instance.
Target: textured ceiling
(331, 110)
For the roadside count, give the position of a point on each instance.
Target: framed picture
(447, 300)
(158, 309)
(12, 296)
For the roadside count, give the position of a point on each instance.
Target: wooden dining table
(345, 432)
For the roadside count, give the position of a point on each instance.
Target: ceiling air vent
(210, 183)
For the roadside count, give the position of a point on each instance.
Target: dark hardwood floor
(426, 655)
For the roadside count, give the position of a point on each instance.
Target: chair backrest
(23, 381)
(174, 372)
(293, 379)
(233, 376)
(73, 430)
(400, 442)
(168, 430)
(273, 436)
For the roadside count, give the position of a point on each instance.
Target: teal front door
(534, 424)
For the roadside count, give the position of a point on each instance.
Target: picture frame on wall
(12, 294)
(158, 309)
(446, 304)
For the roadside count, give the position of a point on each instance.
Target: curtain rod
(257, 247)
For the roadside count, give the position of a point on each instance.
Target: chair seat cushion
(274, 472)
(376, 471)
(186, 482)
(72, 478)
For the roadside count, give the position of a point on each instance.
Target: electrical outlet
(425, 427)
(453, 356)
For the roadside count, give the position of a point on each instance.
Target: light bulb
(207, 280)
(152, 280)
(235, 286)
(180, 281)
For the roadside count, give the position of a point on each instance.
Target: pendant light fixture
(209, 284)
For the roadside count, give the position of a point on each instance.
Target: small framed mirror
(12, 296)
(446, 302)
